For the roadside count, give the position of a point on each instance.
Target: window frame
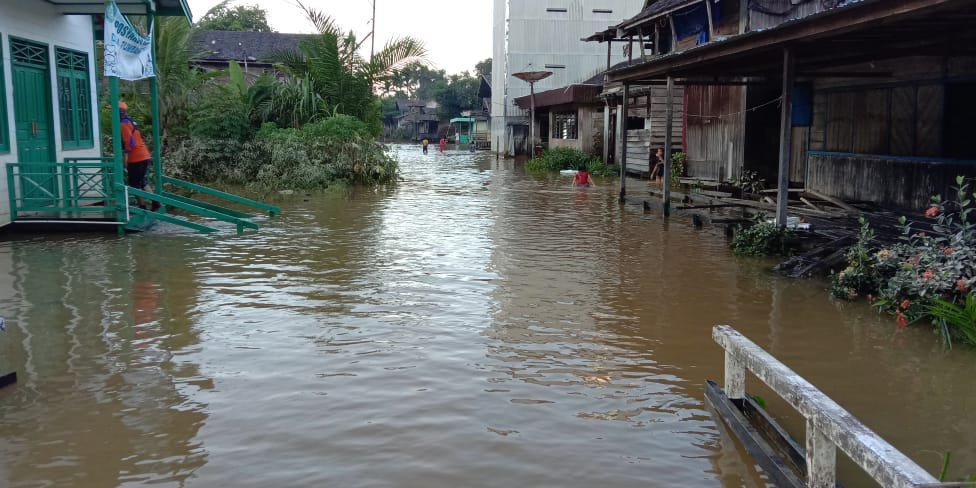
(561, 128)
(74, 75)
(4, 129)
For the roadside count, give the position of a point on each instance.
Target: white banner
(127, 54)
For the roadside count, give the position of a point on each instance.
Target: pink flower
(901, 320)
(932, 212)
(948, 250)
(961, 285)
(905, 304)
(928, 275)
(913, 260)
(870, 298)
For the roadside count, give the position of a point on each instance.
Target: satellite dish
(532, 76)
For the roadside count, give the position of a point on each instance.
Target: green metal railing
(85, 186)
(81, 186)
(271, 209)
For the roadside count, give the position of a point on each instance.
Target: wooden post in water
(666, 184)
(785, 134)
(622, 130)
(606, 113)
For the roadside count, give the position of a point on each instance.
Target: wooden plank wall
(887, 182)
(716, 131)
(641, 141)
(901, 120)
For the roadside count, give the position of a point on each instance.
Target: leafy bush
(928, 275)
(677, 168)
(319, 155)
(861, 276)
(568, 158)
(761, 239)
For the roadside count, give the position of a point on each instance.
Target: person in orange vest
(136, 155)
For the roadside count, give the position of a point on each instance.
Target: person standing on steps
(136, 155)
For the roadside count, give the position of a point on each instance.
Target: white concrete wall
(37, 20)
(528, 37)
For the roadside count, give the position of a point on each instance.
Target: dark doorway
(762, 132)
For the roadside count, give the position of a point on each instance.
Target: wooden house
(56, 175)
(570, 116)
(861, 100)
(417, 120)
(253, 51)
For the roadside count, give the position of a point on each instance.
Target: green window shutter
(74, 99)
(4, 130)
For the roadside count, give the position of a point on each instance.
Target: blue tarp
(694, 20)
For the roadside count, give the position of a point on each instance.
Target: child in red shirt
(582, 177)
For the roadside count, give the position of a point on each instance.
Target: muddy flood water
(472, 327)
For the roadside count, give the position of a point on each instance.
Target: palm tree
(330, 66)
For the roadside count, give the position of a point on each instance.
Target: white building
(48, 97)
(545, 36)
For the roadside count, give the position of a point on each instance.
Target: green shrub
(677, 168)
(317, 156)
(568, 158)
(761, 239)
(861, 276)
(926, 276)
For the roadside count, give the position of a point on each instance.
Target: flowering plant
(923, 270)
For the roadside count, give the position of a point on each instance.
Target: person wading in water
(137, 156)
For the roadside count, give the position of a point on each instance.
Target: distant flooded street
(472, 327)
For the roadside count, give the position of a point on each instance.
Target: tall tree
(330, 66)
(483, 68)
(240, 18)
(460, 93)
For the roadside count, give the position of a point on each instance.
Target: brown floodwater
(473, 326)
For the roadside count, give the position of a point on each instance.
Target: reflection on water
(473, 326)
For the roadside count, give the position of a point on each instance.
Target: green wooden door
(33, 121)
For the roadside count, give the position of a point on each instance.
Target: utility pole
(372, 35)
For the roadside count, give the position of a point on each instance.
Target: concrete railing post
(735, 376)
(821, 458)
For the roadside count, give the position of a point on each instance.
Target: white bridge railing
(828, 425)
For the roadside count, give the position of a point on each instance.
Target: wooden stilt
(785, 133)
(622, 130)
(666, 184)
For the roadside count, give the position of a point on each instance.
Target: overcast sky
(457, 32)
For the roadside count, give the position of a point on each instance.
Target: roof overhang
(166, 8)
(571, 95)
(862, 31)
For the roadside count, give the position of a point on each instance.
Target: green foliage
(333, 78)
(955, 319)
(762, 238)
(240, 18)
(458, 94)
(677, 168)
(483, 68)
(222, 113)
(749, 182)
(860, 276)
(335, 150)
(927, 276)
(567, 158)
